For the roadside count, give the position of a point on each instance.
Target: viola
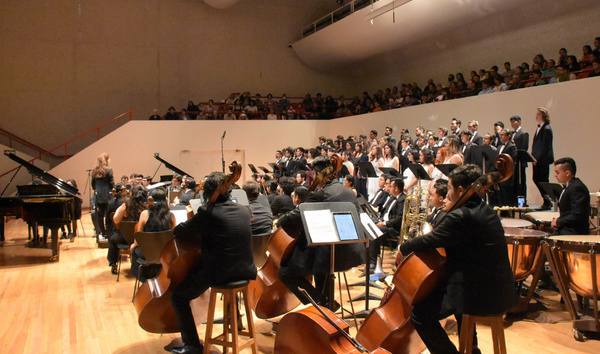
(389, 326)
(153, 300)
(268, 296)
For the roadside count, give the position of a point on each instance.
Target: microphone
(224, 131)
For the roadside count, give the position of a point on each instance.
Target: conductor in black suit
(521, 140)
(478, 279)
(574, 202)
(223, 232)
(542, 150)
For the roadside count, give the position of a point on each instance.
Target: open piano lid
(171, 166)
(43, 175)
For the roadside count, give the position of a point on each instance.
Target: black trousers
(295, 278)
(426, 316)
(389, 235)
(101, 212)
(541, 173)
(113, 247)
(190, 288)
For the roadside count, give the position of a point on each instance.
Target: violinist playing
(223, 231)
(478, 278)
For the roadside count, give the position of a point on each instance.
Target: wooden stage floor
(75, 305)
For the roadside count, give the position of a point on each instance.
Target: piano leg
(55, 247)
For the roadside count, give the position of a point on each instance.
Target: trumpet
(414, 218)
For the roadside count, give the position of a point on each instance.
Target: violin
(267, 295)
(153, 300)
(389, 326)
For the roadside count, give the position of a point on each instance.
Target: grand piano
(48, 205)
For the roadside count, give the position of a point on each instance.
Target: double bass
(267, 295)
(153, 300)
(389, 326)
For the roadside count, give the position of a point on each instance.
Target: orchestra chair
(173, 194)
(127, 229)
(259, 248)
(151, 244)
(230, 319)
(468, 329)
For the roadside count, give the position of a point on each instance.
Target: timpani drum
(542, 219)
(515, 223)
(576, 264)
(524, 250)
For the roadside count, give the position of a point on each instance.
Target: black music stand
(366, 169)
(279, 169)
(523, 157)
(486, 152)
(446, 168)
(419, 172)
(252, 168)
(554, 190)
(264, 169)
(329, 224)
(390, 171)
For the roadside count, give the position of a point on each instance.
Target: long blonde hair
(99, 170)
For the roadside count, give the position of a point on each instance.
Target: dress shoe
(113, 268)
(188, 349)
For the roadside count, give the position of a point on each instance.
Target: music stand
(486, 152)
(446, 168)
(390, 171)
(366, 169)
(419, 172)
(331, 224)
(264, 169)
(252, 168)
(554, 190)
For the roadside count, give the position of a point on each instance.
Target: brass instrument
(414, 218)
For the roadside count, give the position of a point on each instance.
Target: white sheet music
(320, 226)
(370, 227)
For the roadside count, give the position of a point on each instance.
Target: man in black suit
(476, 138)
(466, 144)
(478, 279)
(223, 232)
(506, 194)
(391, 218)
(283, 203)
(521, 140)
(315, 260)
(498, 127)
(436, 200)
(543, 152)
(382, 193)
(455, 127)
(574, 202)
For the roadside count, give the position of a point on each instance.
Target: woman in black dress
(102, 184)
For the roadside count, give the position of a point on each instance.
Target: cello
(389, 326)
(153, 300)
(267, 295)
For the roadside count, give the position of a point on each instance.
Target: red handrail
(65, 144)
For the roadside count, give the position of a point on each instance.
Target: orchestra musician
(223, 231)
(315, 260)
(478, 278)
(574, 202)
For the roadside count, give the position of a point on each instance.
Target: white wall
(572, 107)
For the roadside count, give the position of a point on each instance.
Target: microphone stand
(222, 156)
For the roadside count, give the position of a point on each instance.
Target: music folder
(524, 156)
(266, 170)
(252, 168)
(554, 190)
(446, 168)
(486, 151)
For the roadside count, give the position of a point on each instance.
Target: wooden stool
(468, 328)
(230, 319)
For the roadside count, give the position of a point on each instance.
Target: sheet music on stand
(331, 223)
(370, 227)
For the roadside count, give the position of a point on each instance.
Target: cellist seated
(223, 231)
(478, 278)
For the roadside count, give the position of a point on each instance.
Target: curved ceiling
(354, 38)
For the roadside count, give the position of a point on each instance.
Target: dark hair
(137, 202)
(159, 216)
(517, 118)
(465, 175)
(374, 132)
(569, 164)
(272, 185)
(441, 187)
(428, 156)
(457, 121)
(287, 184)
(302, 173)
(212, 183)
(399, 182)
(499, 124)
(301, 192)
(467, 132)
(350, 179)
(251, 188)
